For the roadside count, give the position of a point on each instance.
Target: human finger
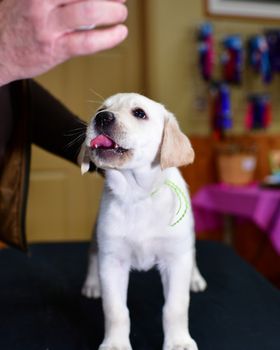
(90, 42)
(86, 13)
(56, 3)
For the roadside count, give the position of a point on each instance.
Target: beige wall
(62, 203)
(163, 66)
(172, 62)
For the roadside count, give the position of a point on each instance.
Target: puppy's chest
(146, 231)
(148, 217)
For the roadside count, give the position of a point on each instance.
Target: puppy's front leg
(176, 277)
(114, 275)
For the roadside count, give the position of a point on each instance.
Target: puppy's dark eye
(139, 113)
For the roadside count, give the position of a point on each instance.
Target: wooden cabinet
(249, 241)
(204, 170)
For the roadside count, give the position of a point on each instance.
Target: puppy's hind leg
(91, 287)
(198, 283)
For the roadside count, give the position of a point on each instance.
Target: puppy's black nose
(104, 119)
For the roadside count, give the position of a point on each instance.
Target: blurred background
(208, 61)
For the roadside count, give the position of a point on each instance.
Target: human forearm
(53, 127)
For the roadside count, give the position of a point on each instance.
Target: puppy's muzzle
(104, 120)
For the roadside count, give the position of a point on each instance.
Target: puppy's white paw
(198, 283)
(186, 344)
(91, 289)
(115, 346)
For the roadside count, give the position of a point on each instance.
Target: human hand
(37, 35)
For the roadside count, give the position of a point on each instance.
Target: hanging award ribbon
(206, 51)
(232, 59)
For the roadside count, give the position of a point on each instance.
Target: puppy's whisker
(71, 144)
(83, 122)
(79, 139)
(80, 127)
(74, 132)
(94, 102)
(98, 95)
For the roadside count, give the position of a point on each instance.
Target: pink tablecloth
(260, 205)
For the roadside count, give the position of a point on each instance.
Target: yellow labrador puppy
(145, 217)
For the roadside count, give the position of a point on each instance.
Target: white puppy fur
(145, 216)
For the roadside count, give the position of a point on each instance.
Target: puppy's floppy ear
(83, 159)
(176, 149)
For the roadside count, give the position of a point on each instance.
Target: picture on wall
(269, 9)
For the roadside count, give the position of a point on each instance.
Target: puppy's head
(129, 131)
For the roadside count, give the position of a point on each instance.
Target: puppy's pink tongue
(101, 141)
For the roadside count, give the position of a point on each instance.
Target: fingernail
(123, 30)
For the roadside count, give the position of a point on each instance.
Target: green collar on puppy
(183, 202)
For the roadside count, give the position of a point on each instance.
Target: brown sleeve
(54, 128)
(6, 120)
